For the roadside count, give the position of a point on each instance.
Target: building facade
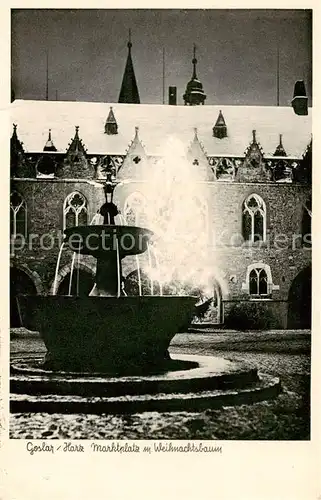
(254, 164)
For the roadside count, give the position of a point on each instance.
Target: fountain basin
(125, 335)
(101, 239)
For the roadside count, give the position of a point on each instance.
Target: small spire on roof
(111, 127)
(280, 151)
(220, 129)
(308, 151)
(135, 153)
(196, 148)
(76, 145)
(49, 146)
(254, 148)
(136, 145)
(16, 144)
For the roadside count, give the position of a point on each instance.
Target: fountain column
(108, 274)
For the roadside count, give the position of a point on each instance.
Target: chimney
(300, 100)
(172, 96)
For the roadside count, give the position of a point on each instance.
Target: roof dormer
(111, 127)
(220, 129)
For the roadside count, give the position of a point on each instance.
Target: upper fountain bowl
(97, 240)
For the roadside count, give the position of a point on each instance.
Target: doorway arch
(20, 283)
(299, 300)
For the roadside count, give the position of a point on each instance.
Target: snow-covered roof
(156, 124)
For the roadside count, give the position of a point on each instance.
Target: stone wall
(45, 200)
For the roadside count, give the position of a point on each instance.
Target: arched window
(18, 213)
(254, 219)
(135, 210)
(75, 210)
(258, 282)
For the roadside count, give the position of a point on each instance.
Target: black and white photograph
(160, 226)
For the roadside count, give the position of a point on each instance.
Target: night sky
(236, 52)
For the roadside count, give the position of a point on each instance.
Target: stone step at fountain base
(209, 382)
(267, 387)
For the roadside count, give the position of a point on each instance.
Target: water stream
(150, 267)
(55, 284)
(71, 272)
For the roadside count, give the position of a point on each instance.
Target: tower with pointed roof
(220, 129)
(111, 127)
(129, 91)
(194, 93)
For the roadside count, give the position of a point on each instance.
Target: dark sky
(237, 53)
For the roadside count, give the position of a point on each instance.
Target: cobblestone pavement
(284, 418)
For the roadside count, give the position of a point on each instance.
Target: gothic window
(18, 213)
(75, 210)
(254, 219)
(135, 210)
(258, 282)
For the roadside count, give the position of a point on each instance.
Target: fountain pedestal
(108, 268)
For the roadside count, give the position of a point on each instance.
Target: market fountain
(109, 352)
(107, 331)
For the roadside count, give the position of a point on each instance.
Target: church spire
(194, 93)
(129, 90)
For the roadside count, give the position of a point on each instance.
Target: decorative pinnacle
(14, 127)
(77, 129)
(194, 61)
(195, 133)
(254, 135)
(49, 135)
(129, 44)
(281, 140)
